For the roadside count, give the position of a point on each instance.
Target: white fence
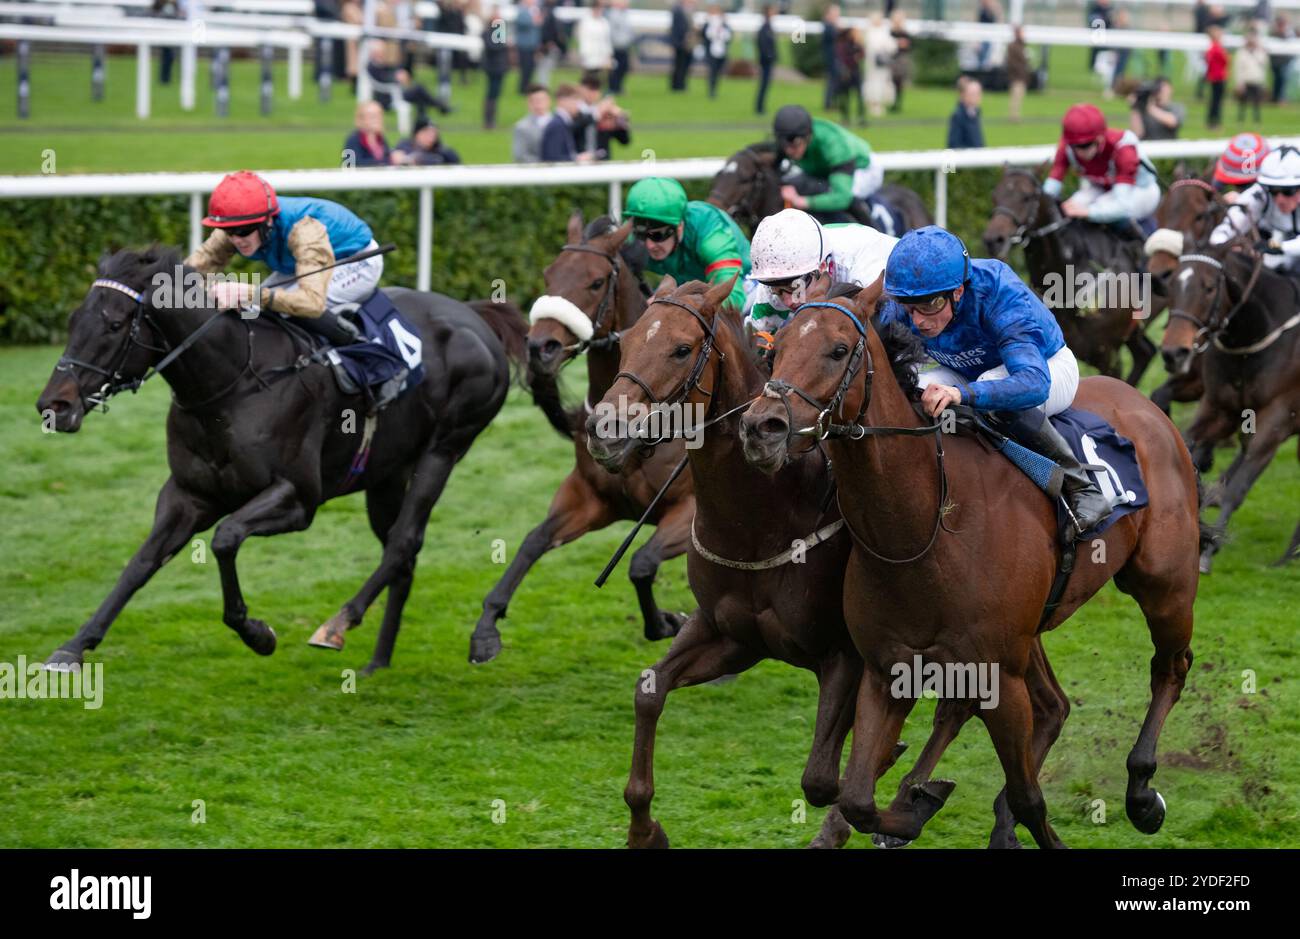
(614, 174)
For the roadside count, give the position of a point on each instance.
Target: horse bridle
(611, 338)
(1023, 233)
(1207, 331)
(1215, 207)
(692, 380)
(747, 204)
(825, 427)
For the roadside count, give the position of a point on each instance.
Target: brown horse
(595, 274)
(955, 551)
(1225, 301)
(1057, 251)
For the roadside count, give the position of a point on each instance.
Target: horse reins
(1212, 333)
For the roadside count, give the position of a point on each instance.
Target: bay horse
(748, 188)
(599, 274)
(768, 582)
(258, 437)
(1057, 251)
(955, 551)
(1241, 316)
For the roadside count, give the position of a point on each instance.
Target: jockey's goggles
(927, 306)
(243, 231)
(788, 284)
(648, 232)
(1283, 190)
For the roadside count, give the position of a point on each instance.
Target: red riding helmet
(1239, 164)
(241, 199)
(1083, 123)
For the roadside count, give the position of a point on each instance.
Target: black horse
(748, 188)
(259, 438)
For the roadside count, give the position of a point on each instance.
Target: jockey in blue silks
(998, 348)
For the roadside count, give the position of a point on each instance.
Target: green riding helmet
(657, 200)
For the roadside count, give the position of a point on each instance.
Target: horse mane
(906, 354)
(137, 267)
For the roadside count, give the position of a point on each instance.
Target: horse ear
(575, 227)
(1042, 169)
(719, 292)
(666, 286)
(1180, 170)
(613, 239)
(869, 297)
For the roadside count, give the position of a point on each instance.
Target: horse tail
(511, 327)
(1208, 535)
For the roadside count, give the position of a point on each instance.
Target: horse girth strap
(825, 533)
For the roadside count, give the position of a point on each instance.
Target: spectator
(681, 36)
(526, 143)
(1153, 114)
(1281, 63)
(453, 21)
(988, 15)
(964, 128)
(830, 61)
(425, 147)
(612, 124)
(1097, 16)
(1250, 72)
(717, 36)
(584, 124)
(900, 67)
(848, 66)
(367, 146)
(329, 11)
(528, 39)
(766, 58)
(388, 77)
(1216, 75)
(1018, 72)
(595, 49)
(171, 10)
(1212, 15)
(621, 36)
(555, 44)
(557, 136)
(1122, 53)
(496, 63)
(878, 48)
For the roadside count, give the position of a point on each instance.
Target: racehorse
(768, 582)
(259, 437)
(1225, 302)
(1057, 254)
(748, 188)
(955, 551)
(598, 275)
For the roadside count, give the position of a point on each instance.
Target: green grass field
(281, 756)
(417, 756)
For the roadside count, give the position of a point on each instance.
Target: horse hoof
(722, 680)
(1149, 817)
(372, 668)
(1207, 561)
(484, 648)
(1004, 840)
(653, 839)
(61, 660)
(888, 841)
(325, 638)
(260, 638)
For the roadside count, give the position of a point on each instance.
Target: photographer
(1153, 114)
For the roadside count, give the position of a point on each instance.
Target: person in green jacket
(688, 239)
(826, 151)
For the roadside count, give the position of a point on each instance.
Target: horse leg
(405, 538)
(575, 510)
(1163, 396)
(1292, 550)
(950, 715)
(1143, 350)
(838, 677)
(672, 534)
(383, 505)
(1274, 426)
(177, 516)
(1051, 707)
(877, 723)
(1011, 728)
(276, 509)
(698, 654)
(1209, 426)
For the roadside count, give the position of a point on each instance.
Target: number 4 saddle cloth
(387, 361)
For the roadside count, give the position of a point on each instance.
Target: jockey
(1238, 166)
(688, 239)
(293, 235)
(1272, 205)
(1118, 183)
(825, 150)
(792, 251)
(998, 347)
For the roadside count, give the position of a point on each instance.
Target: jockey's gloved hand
(1270, 246)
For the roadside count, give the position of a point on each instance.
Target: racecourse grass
(417, 756)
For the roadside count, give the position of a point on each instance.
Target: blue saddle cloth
(389, 360)
(1095, 443)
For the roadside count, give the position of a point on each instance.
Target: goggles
(928, 306)
(656, 233)
(1283, 190)
(243, 231)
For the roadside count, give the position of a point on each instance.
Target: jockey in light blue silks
(998, 347)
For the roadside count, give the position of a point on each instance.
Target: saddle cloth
(388, 359)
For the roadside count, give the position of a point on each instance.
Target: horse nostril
(773, 427)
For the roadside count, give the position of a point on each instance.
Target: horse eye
(115, 325)
(840, 351)
(597, 283)
(682, 351)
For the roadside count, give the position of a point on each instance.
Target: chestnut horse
(595, 274)
(1226, 302)
(955, 551)
(1057, 250)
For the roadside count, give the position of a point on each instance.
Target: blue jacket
(998, 321)
(348, 234)
(964, 130)
(557, 141)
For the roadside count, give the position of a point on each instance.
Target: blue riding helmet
(925, 262)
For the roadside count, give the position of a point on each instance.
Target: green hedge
(49, 248)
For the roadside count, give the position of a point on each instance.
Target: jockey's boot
(1089, 506)
(336, 329)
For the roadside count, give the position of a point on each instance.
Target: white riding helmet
(1280, 168)
(788, 244)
